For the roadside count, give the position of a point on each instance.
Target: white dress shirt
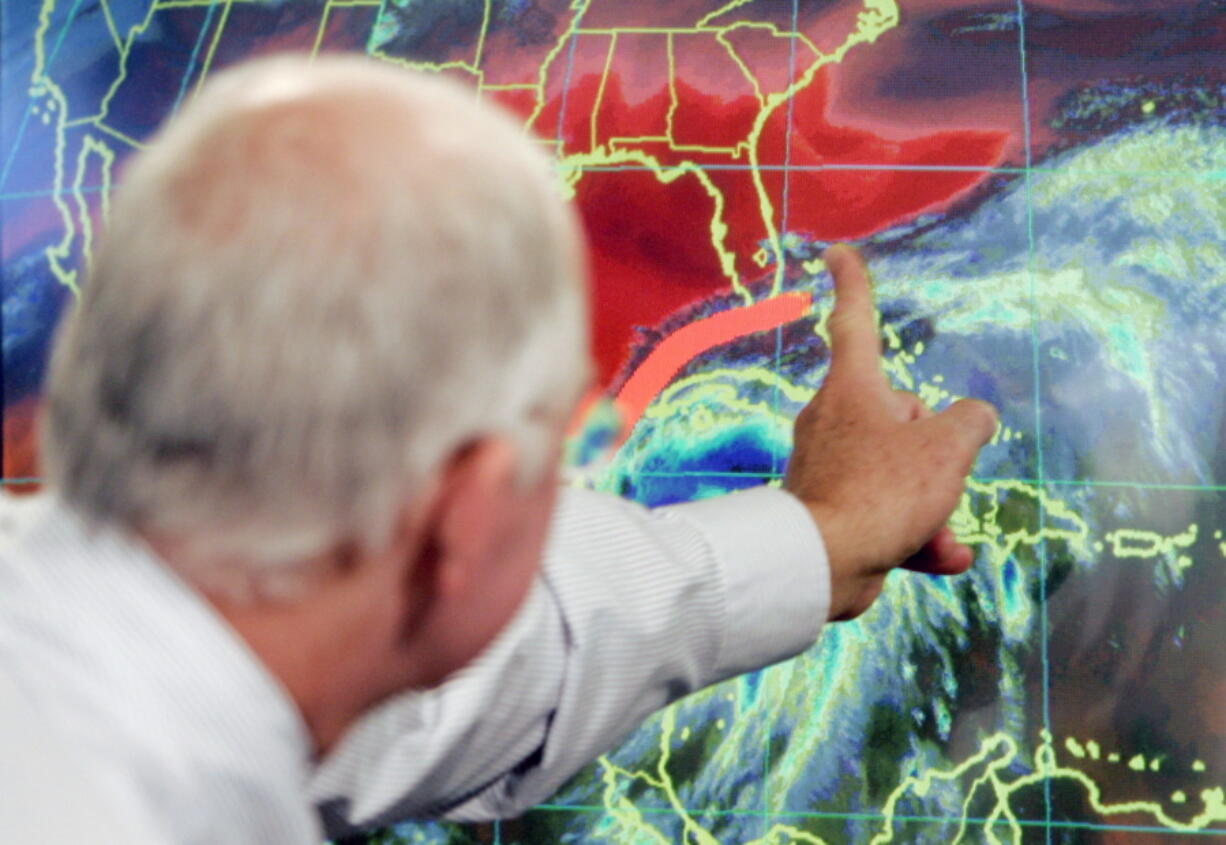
(168, 715)
(177, 729)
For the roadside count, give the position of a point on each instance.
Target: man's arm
(635, 609)
(638, 608)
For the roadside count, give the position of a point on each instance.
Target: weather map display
(1040, 189)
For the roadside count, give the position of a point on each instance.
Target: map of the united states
(1039, 189)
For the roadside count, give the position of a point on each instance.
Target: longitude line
(566, 78)
(783, 215)
(781, 258)
(191, 62)
(1031, 254)
(570, 66)
(370, 39)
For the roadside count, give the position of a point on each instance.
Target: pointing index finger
(856, 346)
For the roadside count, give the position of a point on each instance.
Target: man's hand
(879, 471)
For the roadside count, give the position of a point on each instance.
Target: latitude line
(768, 475)
(13, 196)
(1050, 482)
(1031, 482)
(580, 809)
(797, 168)
(1190, 173)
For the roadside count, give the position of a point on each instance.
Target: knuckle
(980, 416)
(808, 415)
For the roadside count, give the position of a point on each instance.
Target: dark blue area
(741, 449)
(656, 490)
(731, 458)
(983, 385)
(161, 61)
(32, 301)
(1008, 574)
(751, 682)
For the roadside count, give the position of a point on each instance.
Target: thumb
(968, 422)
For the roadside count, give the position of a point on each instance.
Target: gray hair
(318, 282)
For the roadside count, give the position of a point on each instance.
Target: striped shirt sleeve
(635, 608)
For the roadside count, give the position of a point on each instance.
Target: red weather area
(816, 165)
(651, 242)
(692, 98)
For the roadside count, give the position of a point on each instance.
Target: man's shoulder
(70, 723)
(144, 688)
(51, 793)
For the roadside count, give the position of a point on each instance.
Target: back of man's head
(319, 281)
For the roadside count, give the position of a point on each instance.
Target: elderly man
(302, 537)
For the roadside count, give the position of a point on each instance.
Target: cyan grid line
(191, 62)
(777, 459)
(596, 809)
(984, 479)
(812, 168)
(570, 67)
(49, 193)
(616, 168)
(1000, 170)
(1033, 482)
(1031, 255)
(370, 39)
(1106, 483)
(781, 263)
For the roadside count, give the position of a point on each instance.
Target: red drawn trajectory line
(683, 345)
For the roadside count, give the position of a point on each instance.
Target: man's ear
(475, 496)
